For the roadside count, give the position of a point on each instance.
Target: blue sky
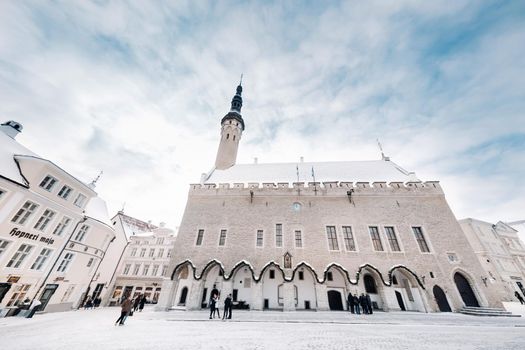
(130, 87)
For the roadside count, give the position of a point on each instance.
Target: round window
(296, 206)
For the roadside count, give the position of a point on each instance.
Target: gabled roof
(9, 148)
(349, 171)
(133, 226)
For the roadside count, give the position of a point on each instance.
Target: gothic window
(287, 261)
(332, 238)
(349, 238)
(376, 240)
(259, 242)
(392, 239)
(200, 236)
(298, 239)
(279, 235)
(370, 284)
(420, 238)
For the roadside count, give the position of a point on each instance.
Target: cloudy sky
(137, 89)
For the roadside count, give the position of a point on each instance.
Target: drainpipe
(58, 258)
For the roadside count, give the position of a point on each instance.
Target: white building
(54, 229)
(144, 261)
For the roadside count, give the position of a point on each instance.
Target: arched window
(370, 284)
(183, 295)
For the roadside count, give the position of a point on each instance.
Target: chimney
(11, 128)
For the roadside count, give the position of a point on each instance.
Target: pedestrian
(520, 298)
(142, 302)
(97, 302)
(34, 307)
(350, 301)
(89, 304)
(217, 307)
(369, 303)
(356, 304)
(125, 309)
(227, 312)
(214, 292)
(212, 308)
(362, 302)
(137, 302)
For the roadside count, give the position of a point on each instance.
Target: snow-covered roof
(8, 167)
(133, 226)
(97, 209)
(349, 171)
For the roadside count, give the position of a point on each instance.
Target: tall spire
(237, 99)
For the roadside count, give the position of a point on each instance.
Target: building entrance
(334, 300)
(48, 292)
(441, 299)
(465, 290)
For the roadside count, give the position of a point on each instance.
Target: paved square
(94, 329)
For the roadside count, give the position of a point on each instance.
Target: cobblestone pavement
(94, 329)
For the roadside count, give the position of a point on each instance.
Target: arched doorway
(400, 301)
(441, 299)
(334, 300)
(373, 289)
(304, 281)
(183, 295)
(465, 290)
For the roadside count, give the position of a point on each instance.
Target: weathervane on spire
(240, 83)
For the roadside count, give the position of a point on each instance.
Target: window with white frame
(279, 235)
(145, 270)
(80, 200)
(142, 252)
(62, 225)
(331, 235)
(376, 240)
(420, 238)
(44, 220)
(222, 238)
(259, 238)
(348, 237)
(20, 255)
(392, 239)
(160, 240)
(155, 270)
(48, 182)
(152, 252)
(64, 192)
(298, 239)
(24, 213)
(90, 262)
(126, 269)
(200, 236)
(160, 253)
(133, 251)
(65, 262)
(81, 234)
(45, 253)
(3, 246)
(136, 269)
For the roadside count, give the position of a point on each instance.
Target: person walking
(142, 302)
(212, 308)
(227, 312)
(125, 309)
(217, 307)
(369, 303)
(136, 303)
(520, 298)
(356, 304)
(350, 301)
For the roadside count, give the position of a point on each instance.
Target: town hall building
(299, 236)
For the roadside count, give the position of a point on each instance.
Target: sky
(137, 89)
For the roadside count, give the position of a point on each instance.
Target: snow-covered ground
(95, 330)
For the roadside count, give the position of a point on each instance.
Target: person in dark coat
(212, 307)
(520, 298)
(356, 304)
(227, 313)
(362, 302)
(136, 303)
(350, 301)
(125, 309)
(214, 292)
(142, 302)
(369, 304)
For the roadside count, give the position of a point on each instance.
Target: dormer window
(64, 192)
(48, 182)
(79, 202)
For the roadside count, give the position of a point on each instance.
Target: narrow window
(420, 238)
(200, 236)
(348, 236)
(169, 253)
(160, 240)
(126, 269)
(142, 252)
(332, 238)
(272, 274)
(20, 255)
(133, 251)
(64, 192)
(329, 276)
(301, 275)
(3, 246)
(62, 225)
(79, 202)
(155, 270)
(164, 270)
(41, 259)
(145, 270)
(90, 262)
(136, 269)
(259, 238)
(279, 235)
(376, 240)
(392, 239)
(48, 182)
(160, 253)
(65, 262)
(24, 213)
(227, 136)
(233, 137)
(81, 234)
(44, 220)
(152, 252)
(222, 238)
(298, 239)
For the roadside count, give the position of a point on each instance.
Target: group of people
(91, 303)
(128, 306)
(360, 304)
(214, 305)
